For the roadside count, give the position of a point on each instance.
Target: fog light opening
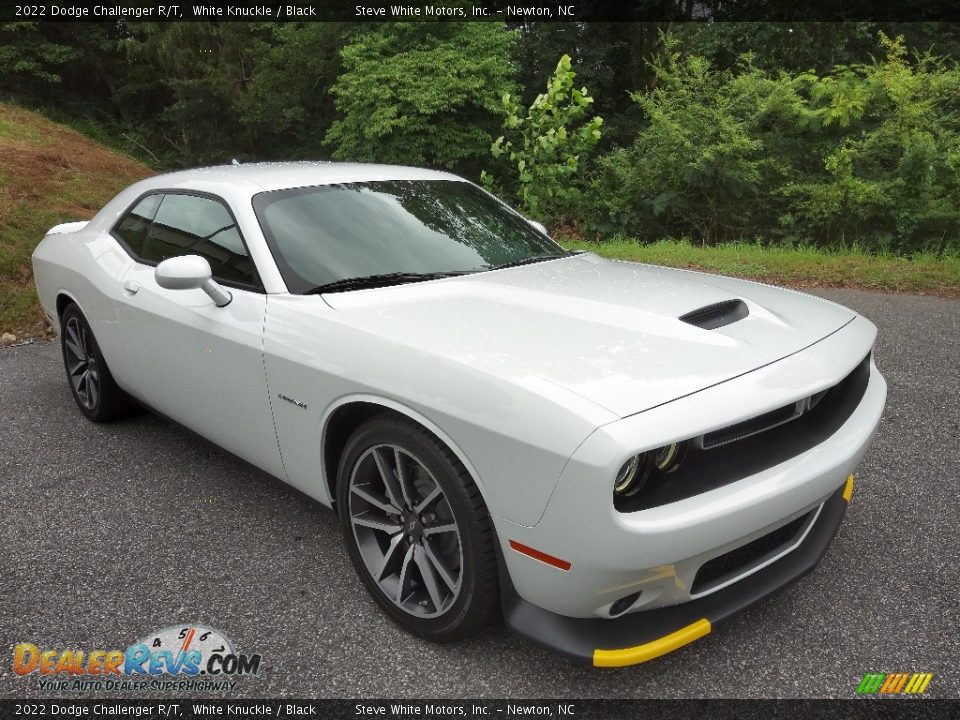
(624, 604)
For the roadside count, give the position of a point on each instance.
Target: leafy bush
(545, 144)
(866, 155)
(696, 167)
(893, 178)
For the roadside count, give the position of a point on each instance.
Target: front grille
(768, 443)
(754, 425)
(739, 560)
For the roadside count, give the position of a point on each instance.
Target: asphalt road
(108, 532)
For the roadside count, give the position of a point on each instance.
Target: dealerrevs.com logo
(179, 657)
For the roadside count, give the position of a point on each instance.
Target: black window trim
(195, 193)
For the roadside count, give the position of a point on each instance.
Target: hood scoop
(711, 317)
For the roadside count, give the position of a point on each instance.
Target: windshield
(321, 235)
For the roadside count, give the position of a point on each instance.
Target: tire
(93, 387)
(395, 549)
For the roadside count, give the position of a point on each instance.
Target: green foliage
(795, 133)
(286, 104)
(545, 143)
(696, 167)
(801, 46)
(421, 93)
(610, 58)
(892, 175)
(27, 56)
(864, 155)
(205, 67)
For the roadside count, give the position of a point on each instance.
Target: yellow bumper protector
(652, 649)
(848, 488)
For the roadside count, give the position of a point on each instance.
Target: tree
(891, 180)
(203, 69)
(864, 154)
(610, 58)
(696, 167)
(287, 104)
(817, 46)
(29, 59)
(422, 93)
(546, 143)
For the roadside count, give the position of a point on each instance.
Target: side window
(134, 225)
(193, 225)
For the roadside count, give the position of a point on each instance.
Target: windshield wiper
(383, 280)
(534, 259)
(398, 278)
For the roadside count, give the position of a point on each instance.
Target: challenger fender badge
(292, 401)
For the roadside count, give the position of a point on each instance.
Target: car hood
(606, 330)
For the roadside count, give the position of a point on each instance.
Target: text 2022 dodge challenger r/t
(615, 456)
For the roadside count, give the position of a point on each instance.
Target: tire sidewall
(450, 625)
(73, 311)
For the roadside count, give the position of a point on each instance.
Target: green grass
(923, 273)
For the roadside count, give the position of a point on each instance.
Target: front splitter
(645, 635)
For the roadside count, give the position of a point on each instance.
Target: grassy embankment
(48, 174)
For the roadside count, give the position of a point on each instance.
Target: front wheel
(417, 530)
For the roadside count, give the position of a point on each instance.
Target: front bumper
(637, 637)
(660, 551)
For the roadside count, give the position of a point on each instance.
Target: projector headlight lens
(668, 458)
(635, 472)
(632, 475)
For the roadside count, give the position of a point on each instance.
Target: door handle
(131, 287)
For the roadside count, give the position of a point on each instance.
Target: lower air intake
(741, 559)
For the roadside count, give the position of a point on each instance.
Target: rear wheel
(92, 385)
(417, 530)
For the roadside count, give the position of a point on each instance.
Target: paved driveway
(109, 532)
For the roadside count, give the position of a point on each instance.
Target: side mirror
(539, 226)
(190, 272)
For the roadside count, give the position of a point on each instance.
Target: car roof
(268, 176)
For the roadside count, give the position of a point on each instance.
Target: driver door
(194, 362)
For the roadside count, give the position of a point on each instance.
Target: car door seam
(266, 381)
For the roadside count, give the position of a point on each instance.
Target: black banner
(471, 709)
(481, 10)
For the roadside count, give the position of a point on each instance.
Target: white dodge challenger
(614, 456)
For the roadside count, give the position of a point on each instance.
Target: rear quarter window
(133, 227)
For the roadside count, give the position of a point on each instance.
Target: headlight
(633, 475)
(668, 458)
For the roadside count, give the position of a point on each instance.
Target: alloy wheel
(82, 363)
(405, 531)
